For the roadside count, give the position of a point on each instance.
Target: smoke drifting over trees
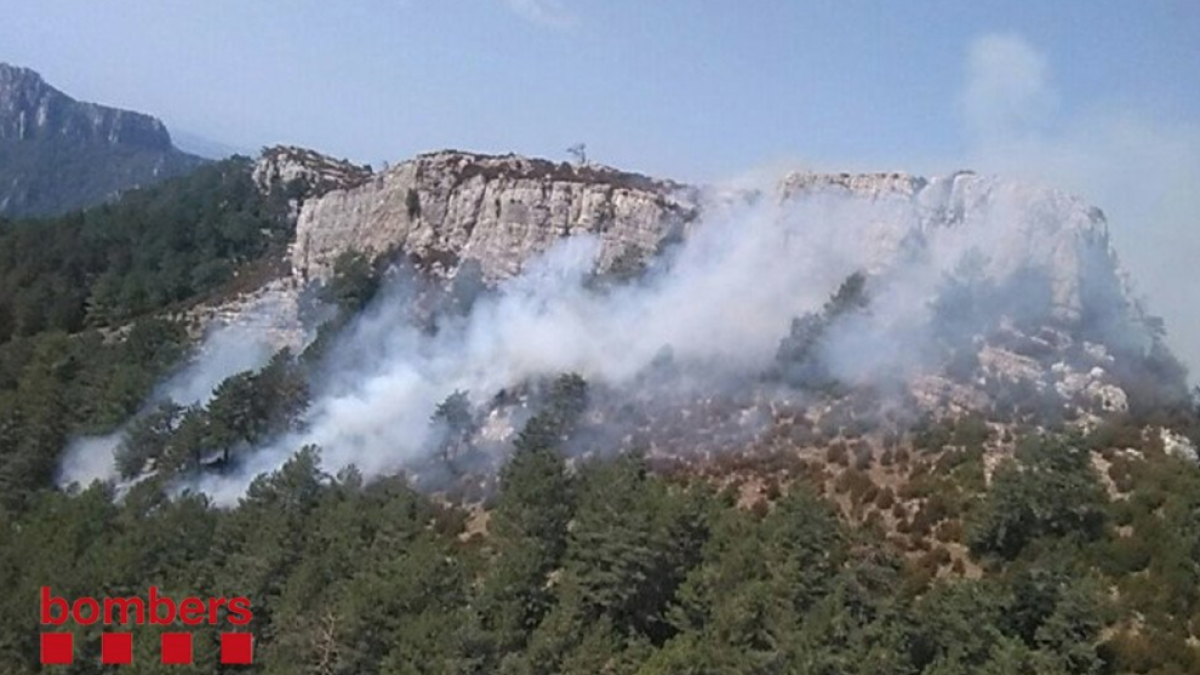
(766, 299)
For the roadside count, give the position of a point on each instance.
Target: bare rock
(305, 173)
(1179, 446)
(446, 207)
(1017, 227)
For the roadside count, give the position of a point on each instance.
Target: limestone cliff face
(1014, 226)
(58, 154)
(1043, 311)
(306, 173)
(446, 207)
(443, 208)
(31, 109)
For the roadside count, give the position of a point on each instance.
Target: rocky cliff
(818, 308)
(445, 207)
(58, 154)
(1016, 227)
(303, 172)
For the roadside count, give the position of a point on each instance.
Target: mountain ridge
(59, 154)
(981, 291)
(503, 209)
(896, 351)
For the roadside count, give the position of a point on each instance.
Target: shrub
(836, 453)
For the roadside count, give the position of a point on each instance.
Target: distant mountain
(58, 154)
(207, 148)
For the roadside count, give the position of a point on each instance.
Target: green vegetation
(799, 361)
(150, 250)
(51, 175)
(892, 548)
(354, 283)
(608, 567)
(1049, 489)
(54, 386)
(247, 408)
(80, 347)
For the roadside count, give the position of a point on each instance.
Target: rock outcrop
(442, 208)
(58, 154)
(980, 297)
(30, 109)
(446, 207)
(1015, 226)
(306, 173)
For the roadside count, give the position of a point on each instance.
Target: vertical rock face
(58, 154)
(446, 207)
(1015, 228)
(979, 294)
(30, 109)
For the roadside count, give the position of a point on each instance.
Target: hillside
(478, 414)
(59, 154)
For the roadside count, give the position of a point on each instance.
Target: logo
(116, 644)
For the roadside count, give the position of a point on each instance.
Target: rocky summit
(501, 210)
(58, 154)
(447, 207)
(468, 411)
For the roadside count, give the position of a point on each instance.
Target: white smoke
(90, 458)
(1007, 94)
(1140, 165)
(720, 305)
(226, 351)
(729, 297)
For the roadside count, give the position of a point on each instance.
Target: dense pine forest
(82, 341)
(153, 248)
(613, 567)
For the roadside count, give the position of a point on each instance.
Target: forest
(150, 250)
(612, 566)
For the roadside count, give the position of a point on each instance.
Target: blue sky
(694, 89)
(1100, 97)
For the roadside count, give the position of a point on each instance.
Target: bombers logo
(116, 647)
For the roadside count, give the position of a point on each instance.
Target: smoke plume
(1137, 164)
(226, 351)
(718, 304)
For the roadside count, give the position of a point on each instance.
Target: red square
(237, 648)
(58, 649)
(116, 648)
(176, 648)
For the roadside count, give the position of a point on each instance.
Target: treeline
(1069, 557)
(80, 347)
(56, 386)
(248, 408)
(609, 567)
(153, 247)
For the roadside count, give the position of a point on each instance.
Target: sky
(1099, 97)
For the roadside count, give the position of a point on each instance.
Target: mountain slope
(711, 321)
(59, 154)
(865, 423)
